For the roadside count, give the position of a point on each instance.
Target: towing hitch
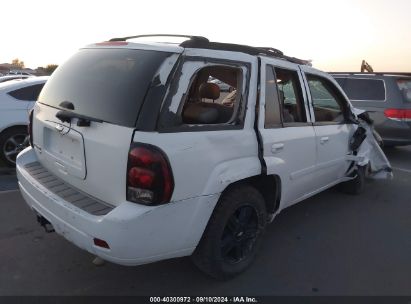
(45, 223)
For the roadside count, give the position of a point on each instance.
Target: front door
(330, 112)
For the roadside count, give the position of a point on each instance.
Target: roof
(19, 83)
(199, 42)
(154, 46)
(8, 78)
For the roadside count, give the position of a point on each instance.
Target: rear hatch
(404, 85)
(403, 110)
(86, 115)
(398, 109)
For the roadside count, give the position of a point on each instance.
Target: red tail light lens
(140, 177)
(149, 177)
(30, 127)
(398, 114)
(101, 243)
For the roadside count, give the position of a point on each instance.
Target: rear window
(29, 93)
(405, 87)
(364, 89)
(107, 84)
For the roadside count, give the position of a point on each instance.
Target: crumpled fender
(369, 151)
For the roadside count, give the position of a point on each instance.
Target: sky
(335, 35)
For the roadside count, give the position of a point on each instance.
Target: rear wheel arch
(268, 185)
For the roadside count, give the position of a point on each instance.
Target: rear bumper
(396, 142)
(394, 132)
(136, 234)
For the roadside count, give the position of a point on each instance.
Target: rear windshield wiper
(83, 120)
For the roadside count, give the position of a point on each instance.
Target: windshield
(107, 84)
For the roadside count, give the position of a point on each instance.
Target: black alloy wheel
(239, 235)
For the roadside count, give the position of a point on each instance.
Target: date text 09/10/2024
(203, 300)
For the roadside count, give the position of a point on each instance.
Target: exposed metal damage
(365, 144)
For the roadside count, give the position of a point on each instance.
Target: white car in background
(17, 98)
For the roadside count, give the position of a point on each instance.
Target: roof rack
(201, 42)
(251, 50)
(373, 73)
(161, 35)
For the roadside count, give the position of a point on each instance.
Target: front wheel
(233, 234)
(356, 185)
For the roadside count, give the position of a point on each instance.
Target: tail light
(398, 114)
(30, 127)
(101, 243)
(149, 176)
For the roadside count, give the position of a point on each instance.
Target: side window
(272, 106)
(341, 81)
(328, 104)
(212, 96)
(365, 89)
(290, 96)
(30, 93)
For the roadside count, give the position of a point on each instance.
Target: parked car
(143, 167)
(387, 99)
(17, 98)
(19, 72)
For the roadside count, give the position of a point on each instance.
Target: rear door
(330, 113)
(287, 133)
(86, 115)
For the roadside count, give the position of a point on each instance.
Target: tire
(233, 234)
(12, 141)
(356, 185)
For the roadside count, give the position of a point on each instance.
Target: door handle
(277, 147)
(324, 139)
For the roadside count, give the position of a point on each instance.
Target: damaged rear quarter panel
(205, 163)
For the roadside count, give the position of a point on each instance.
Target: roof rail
(271, 50)
(201, 42)
(251, 50)
(373, 73)
(200, 38)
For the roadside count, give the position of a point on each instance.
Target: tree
(17, 63)
(50, 68)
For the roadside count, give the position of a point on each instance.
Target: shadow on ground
(331, 244)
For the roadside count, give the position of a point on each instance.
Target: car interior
(290, 96)
(206, 103)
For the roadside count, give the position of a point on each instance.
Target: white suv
(135, 158)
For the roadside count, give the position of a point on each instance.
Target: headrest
(209, 90)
